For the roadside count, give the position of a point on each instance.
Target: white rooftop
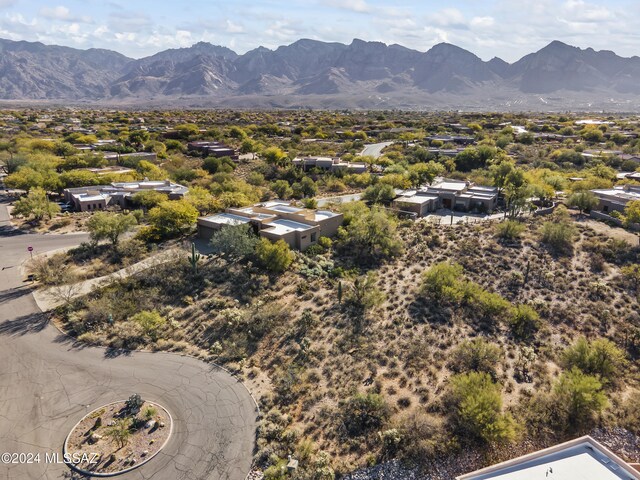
(580, 459)
(283, 226)
(419, 199)
(450, 185)
(324, 214)
(226, 219)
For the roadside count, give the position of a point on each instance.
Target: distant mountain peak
(330, 73)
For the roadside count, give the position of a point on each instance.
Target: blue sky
(508, 29)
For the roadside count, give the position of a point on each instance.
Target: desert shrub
(558, 233)
(275, 257)
(600, 357)
(524, 322)
(476, 355)
(489, 305)
(364, 413)
(234, 242)
(631, 273)
(441, 282)
(51, 270)
(630, 412)
(151, 323)
(510, 229)
(579, 398)
(424, 436)
(477, 409)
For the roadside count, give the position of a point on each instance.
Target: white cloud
(232, 27)
(359, 6)
(62, 13)
(482, 22)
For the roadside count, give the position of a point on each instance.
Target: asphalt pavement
(375, 149)
(48, 382)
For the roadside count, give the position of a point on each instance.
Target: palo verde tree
(109, 226)
(35, 205)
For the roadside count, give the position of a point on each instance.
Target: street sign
(30, 248)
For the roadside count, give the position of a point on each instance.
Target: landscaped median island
(118, 437)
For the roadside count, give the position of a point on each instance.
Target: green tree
(36, 205)
(148, 199)
(441, 281)
(373, 233)
(477, 402)
(500, 172)
(172, 217)
(583, 201)
(632, 274)
(202, 200)
(79, 178)
(632, 212)
(275, 257)
(249, 146)
(282, 189)
(187, 130)
(579, 397)
(234, 242)
(600, 357)
(151, 322)
(379, 193)
(425, 173)
(109, 226)
(275, 156)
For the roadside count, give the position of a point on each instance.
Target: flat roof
(579, 459)
(284, 208)
(225, 219)
(450, 185)
(324, 214)
(419, 199)
(283, 226)
(83, 197)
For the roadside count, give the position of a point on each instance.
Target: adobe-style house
(331, 164)
(99, 197)
(616, 198)
(212, 149)
(448, 194)
(277, 220)
(581, 459)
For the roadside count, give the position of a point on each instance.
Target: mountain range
(315, 74)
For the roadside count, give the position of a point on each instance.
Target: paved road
(48, 382)
(375, 149)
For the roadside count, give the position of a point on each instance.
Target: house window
(605, 208)
(313, 237)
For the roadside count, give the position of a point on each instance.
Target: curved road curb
(113, 474)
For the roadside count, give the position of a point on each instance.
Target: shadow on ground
(31, 323)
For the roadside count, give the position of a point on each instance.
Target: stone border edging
(120, 472)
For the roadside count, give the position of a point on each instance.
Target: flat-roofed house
(119, 193)
(616, 198)
(207, 226)
(420, 203)
(581, 459)
(448, 194)
(277, 220)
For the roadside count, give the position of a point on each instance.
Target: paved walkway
(48, 382)
(49, 298)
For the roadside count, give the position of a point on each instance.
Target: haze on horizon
(488, 28)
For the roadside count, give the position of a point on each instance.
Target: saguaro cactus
(195, 257)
